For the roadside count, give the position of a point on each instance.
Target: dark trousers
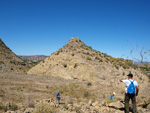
(127, 99)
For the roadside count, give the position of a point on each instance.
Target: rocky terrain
(85, 78)
(10, 62)
(78, 61)
(36, 94)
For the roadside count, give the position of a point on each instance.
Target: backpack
(57, 94)
(131, 88)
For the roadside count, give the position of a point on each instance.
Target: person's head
(130, 76)
(113, 93)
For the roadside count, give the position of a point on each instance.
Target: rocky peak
(74, 39)
(74, 44)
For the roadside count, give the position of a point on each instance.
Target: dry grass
(26, 89)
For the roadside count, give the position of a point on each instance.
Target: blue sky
(31, 27)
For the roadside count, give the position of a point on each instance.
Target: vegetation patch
(65, 65)
(88, 58)
(1, 62)
(44, 108)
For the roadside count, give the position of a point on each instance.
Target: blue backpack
(131, 88)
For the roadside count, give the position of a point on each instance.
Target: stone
(29, 110)
(52, 104)
(116, 105)
(148, 107)
(90, 102)
(95, 103)
(88, 107)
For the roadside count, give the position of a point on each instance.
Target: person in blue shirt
(58, 97)
(112, 96)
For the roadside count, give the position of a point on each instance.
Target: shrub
(43, 61)
(123, 73)
(30, 102)
(75, 65)
(11, 68)
(101, 60)
(72, 54)
(47, 86)
(14, 107)
(86, 94)
(57, 53)
(1, 62)
(117, 67)
(88, 58)
(1, 106)
(89, 84)
(65, 65)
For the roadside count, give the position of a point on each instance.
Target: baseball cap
(114, 93)
(130, 75)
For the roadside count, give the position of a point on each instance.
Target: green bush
(14, 107)
(65, 65)
(43, 61)
(100, 60)
(123, 73)
(88, 58)
(72, 54)
(1, 62)
(57, 53)
(1, 106)
(11, 68)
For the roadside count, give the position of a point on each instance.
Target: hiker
(131, 91)
(112, 96)
(58, 97)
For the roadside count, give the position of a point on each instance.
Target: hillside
(76, 60)
(10, 62)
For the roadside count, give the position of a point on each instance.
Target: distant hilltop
(33, 58)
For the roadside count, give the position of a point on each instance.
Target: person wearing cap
(58, 97)
(112, 96)
(131, 91)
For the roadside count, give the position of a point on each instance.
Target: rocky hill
(78, 61)
(10, 62)
(33, 58)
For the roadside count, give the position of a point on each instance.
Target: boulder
(95, 103)
(29, 110)
(148, 107)
(116, 105)
(90, 103)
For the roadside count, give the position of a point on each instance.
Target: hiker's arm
(121, 80)
(137, 91)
